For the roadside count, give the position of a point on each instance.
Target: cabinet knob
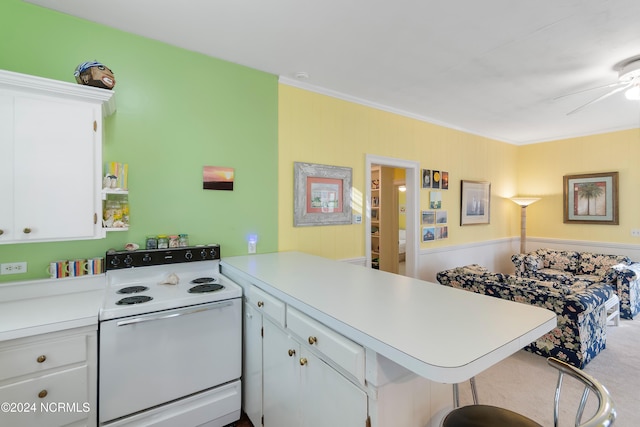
(260, 303)
(303, 361)
(313, 340)
(42, 394)
(41, 358)
(292, 352)
(26, 230)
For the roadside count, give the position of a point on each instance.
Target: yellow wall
(541, 168)
(320, 129)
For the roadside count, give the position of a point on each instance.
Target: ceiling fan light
(633, 94)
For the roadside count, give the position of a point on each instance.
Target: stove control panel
(116, 260)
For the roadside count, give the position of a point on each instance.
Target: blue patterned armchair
(566, 267)
(581, 331)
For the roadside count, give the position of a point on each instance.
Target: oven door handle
(138, 320)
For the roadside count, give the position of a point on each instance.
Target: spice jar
(152, 242)
(173, 241)
(183, 240)
(112, 214)
(163, 241)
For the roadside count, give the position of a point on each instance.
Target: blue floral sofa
(581, 331)
(566, 267)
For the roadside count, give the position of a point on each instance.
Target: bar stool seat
(486, 416)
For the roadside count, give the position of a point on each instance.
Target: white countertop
(441, 333)
(42, 306)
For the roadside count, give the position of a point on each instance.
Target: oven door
(155, 358)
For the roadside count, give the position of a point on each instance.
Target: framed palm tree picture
(591, 198)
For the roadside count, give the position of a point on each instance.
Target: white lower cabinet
(49, 380)
(297, 372)
(302, 390)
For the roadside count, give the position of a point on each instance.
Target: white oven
(170, 357)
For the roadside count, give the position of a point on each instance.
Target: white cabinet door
(328, 398)
(6, 166)
(252, 369)
(54, 169)
(281, 370)
(300, 390)
(50, 159)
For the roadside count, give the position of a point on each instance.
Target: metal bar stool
(491, 416)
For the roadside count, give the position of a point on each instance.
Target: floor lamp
(524, 202)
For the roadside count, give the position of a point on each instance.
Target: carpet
(525, 383)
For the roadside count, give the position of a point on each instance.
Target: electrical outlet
(13, 268)
(635, 232)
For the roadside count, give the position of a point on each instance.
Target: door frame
(412, 177)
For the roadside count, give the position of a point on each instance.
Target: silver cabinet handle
(138, 320)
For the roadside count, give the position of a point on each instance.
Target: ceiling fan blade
(600, 98)
(590, 89)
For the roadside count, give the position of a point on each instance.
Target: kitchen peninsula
(331, 343)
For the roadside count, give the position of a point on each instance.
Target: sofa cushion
(539, 285)
(560, 260)
(599, 264)
(588, 278)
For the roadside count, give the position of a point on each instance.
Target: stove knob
(128, 260)
(203, 254)
(214, 253)
(146, 258)
(115, 261)
(188, 255)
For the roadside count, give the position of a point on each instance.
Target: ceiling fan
(628, 79)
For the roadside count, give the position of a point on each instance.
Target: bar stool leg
(456, 393)
(456, 397)
(474, 392)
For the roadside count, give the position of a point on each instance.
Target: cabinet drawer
(64, 399)
(40, 356)
(344, 352)
(267, 304)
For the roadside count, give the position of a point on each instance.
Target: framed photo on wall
(426, 178)
(322, 195)
(591, 198)
(475, 202)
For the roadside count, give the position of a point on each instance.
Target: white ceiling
(489, 67)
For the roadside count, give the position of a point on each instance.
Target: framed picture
(428, 234)
(435, 179)
(428, 217)
(441, 217)
(322, 195)
(591, 198)
(442, 232)
(426, 178)
(475, 202)
(217, 178)
(445, 180)
(435, 200)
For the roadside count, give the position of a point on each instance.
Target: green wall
(177, 111)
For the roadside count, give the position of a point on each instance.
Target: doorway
(374, 216)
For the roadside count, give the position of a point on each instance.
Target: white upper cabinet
(51, 163)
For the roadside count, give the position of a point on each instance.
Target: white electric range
(170, 340)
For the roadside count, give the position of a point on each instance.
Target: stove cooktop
(141, 290)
